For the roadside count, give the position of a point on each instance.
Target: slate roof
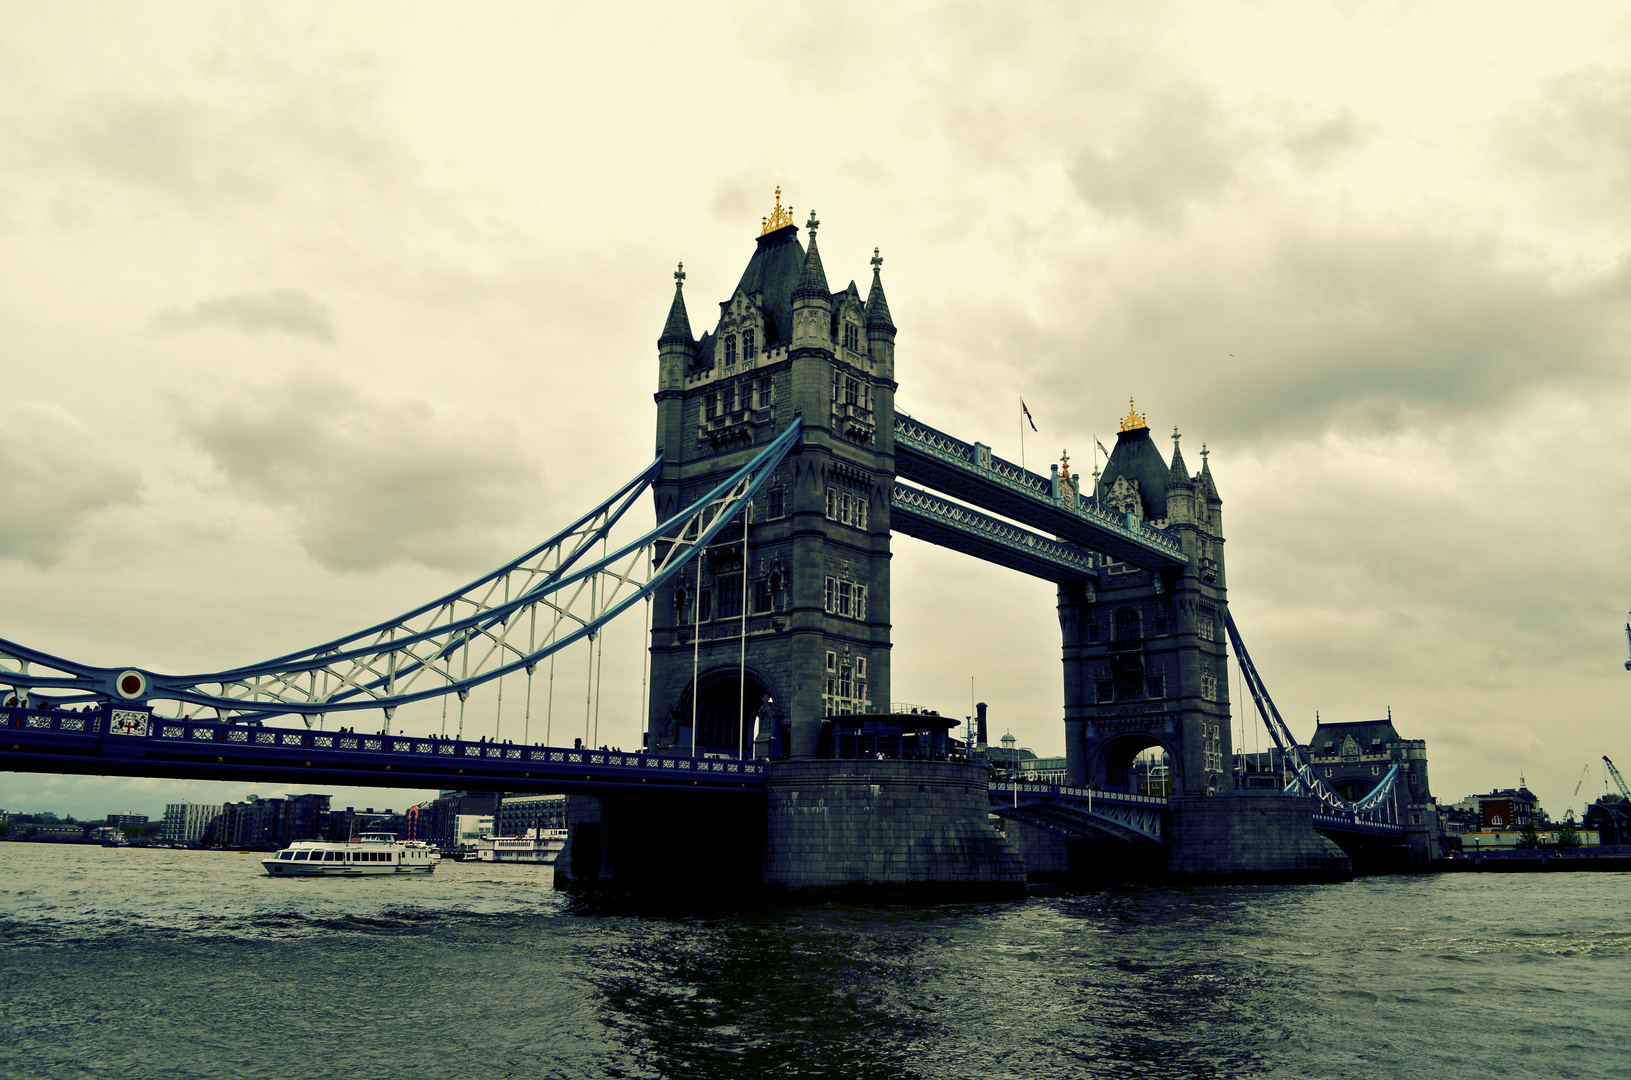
(1364, 732)
(1136, 457)
(774, 271)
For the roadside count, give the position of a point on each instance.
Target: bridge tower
(806, 598)
(1144, 653)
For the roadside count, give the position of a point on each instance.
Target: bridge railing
(1062, 791)
(173, 731)
(932, 442)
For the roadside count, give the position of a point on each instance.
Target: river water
(150, 963)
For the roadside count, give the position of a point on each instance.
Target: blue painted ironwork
(1378, 807)
(926, 516)
(1076, 811)
(127, 740)
(927, 455)
(547, 599)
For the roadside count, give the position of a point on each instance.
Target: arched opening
(1137, 764)
(730, 710)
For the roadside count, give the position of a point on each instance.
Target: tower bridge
(782, 469)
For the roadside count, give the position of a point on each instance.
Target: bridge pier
(1250, 836)
(853, 829)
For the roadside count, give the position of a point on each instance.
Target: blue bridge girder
(1080, 812)
(975, 476)
(134, 742)
(944, 523)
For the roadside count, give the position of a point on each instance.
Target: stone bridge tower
(813, 575)
(1144, 651)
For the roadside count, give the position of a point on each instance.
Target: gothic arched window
(1127, 625)
(730, 350)
(749, 346)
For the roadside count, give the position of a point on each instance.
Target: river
(152, 963)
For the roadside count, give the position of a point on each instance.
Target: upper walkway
(970, 472)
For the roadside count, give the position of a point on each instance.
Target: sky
(310, 313)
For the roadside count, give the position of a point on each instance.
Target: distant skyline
(311, 313)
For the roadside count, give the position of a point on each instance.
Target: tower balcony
(853, 420)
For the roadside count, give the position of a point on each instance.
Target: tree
(1568, 836)
(1529, 836)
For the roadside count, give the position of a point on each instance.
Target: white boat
(371, 854)
(532, 846)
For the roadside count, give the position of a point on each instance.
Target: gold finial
(779, 218)
(1064, 462)
(1134, 419)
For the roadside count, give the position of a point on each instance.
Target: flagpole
(1022, 433)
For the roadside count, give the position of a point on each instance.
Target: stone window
(749, 346)
(763, 598)
(730, 350)
(1127, 624)
(832, 659)
(730, 597)
(766, 389)
(860, 512)
(846, 598)
(832, 504)
(710, 406)
(860, 667)
(852, 337)
(1107, 690)
(852, 392)
(778, 502)
(1156, 686)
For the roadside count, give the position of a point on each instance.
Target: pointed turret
(812, 302)
(676, 349)
(877, 307)
(677, 330)
(813, 278)
(1180, 489)
(880, 325)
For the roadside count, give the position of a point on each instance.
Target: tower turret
(880, 325)
(812, 300)
(1180, 489)
(676, 348)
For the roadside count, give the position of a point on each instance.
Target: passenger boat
(532, 846)
(368, 855)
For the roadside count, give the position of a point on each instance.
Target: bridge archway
(725, 698)
(1138, 763)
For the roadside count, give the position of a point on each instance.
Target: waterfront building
(1611, 817)
(186, 823)
(518, 813)
(437, 821)
(1352, 757)
(126, 820)
(469, 828)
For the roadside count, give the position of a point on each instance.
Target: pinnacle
(813, 278)
(877, 307)
(677, 330)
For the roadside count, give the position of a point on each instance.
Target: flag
(1027, 413)
(1101, 447)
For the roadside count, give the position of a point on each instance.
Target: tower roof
(1136, 457)
(773, 273)
(677, 330)
(877, 308)
(1207, 484)
(812, 276)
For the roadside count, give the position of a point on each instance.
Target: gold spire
(779, 218)
(1134, 419)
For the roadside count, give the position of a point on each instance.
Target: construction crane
(1619, 781)
(1628, 643)
(1585, 770)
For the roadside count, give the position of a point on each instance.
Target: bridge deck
(78, 743)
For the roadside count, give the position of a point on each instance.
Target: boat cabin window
(285, 854)
(300, 855)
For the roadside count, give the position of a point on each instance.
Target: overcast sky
(309, 313)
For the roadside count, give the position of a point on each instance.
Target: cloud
(1179, 148)
(52, 481)
(1319, 144)
(1358, 330)
(292, 311)
(369, 483)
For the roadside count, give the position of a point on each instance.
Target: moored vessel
(532, 846)
(369, 855)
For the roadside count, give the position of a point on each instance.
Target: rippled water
(136, 963)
